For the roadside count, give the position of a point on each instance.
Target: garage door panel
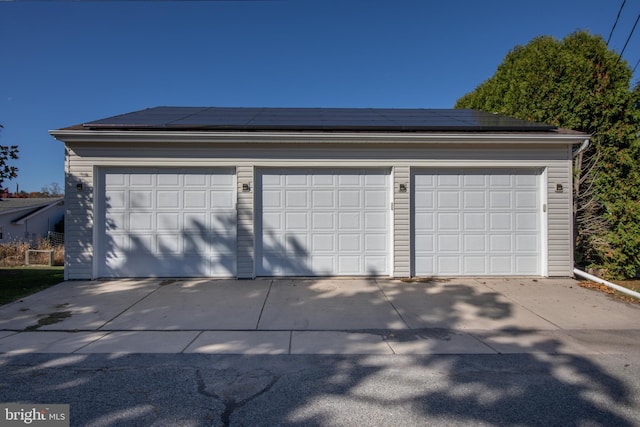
(195, 199)
(425, 265)
(527, 264)
(141, 199)
(527, 243)
(272, 221)
(141, 180)
(223, 199)
(425, 244)
(323, 243)
(526, 221)
(297, 244)
(448, 180)
(349, 221)
(323, 199)
(475, 265)
(375, 221)
(168, 244)
(448, 243)
(500, 221)
(474, 199)
(424, 199)
(323, 179)
(168, 223)
(296, 180)
(526, 180)
(194, 221)
(296, 199)
(349, 199)
(500, 243)
(500, 200)
(424, 221)
(296, 221)
(116, 199)
(140, 244)
(346, 179)
(449, 221)
(168, 180)
(526, 200)
(500, 265)
(486, 222)
(375, 243)
(335, 209)
(323, 221)
(141, 221)
(474, 180)
(349, 243)
(499, 180)
(222, 222)
(448, 200)
(475, 221)
(374, 265)
(323, 263)
(448, 265)
(375, 199)
(272, 199)
(474, 243)
(195, 180)
(168, 199)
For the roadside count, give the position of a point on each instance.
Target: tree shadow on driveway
(528, 387)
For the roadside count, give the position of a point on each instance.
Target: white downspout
(607, 284)
(582, 147)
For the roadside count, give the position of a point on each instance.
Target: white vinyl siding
(246, 241)
(560, 220)
(401, 220)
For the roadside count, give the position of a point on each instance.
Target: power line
(616, 22)
(630, 34)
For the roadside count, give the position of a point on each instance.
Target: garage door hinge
(391, 205)
(544, 207)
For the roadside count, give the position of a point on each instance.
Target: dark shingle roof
(310, 119)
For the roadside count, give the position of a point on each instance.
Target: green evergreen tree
(7, 153)
(578, 83)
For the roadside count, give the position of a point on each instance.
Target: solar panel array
(321, 119)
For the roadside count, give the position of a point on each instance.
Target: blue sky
(64, 63)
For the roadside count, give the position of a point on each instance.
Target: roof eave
(159, 136)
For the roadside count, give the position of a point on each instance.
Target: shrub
(12, 254)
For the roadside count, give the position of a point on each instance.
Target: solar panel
(355, 119)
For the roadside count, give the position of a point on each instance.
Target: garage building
(251, 192)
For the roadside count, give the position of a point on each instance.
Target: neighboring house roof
(314, 119)
(28, 206)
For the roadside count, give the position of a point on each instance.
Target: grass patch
(18, 282)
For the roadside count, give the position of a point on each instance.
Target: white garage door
(322, 222)
(476, 222)
(168, 223)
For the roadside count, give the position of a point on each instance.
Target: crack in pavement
(234, 389)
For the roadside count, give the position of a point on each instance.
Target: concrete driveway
(320, 316)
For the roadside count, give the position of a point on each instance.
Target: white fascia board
(70, 136)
